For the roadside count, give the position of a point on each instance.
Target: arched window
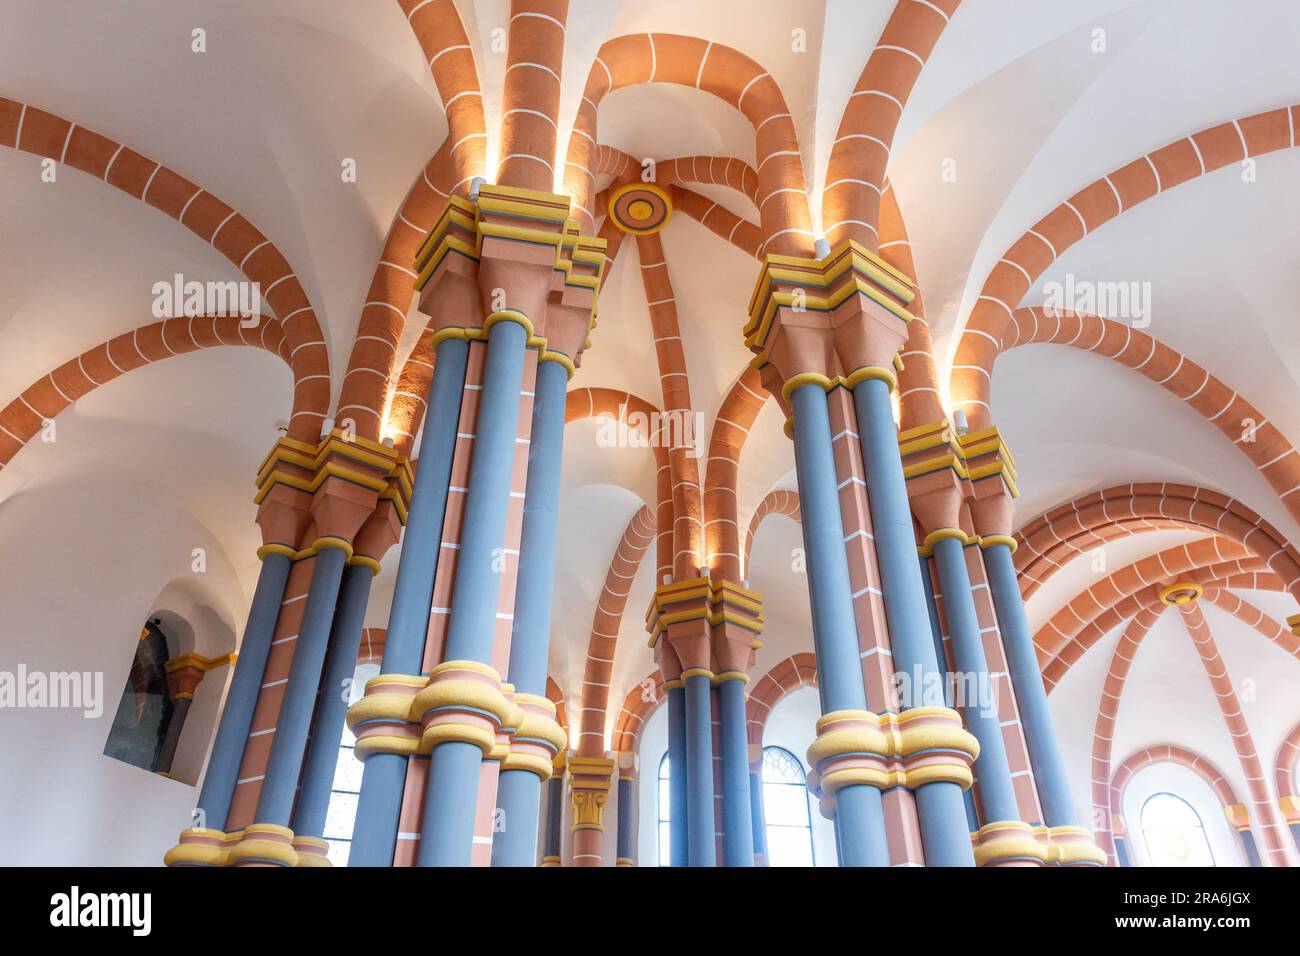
(342, 812)
(1174, 833)
(145, 710)
(665, 810)
(785, 809)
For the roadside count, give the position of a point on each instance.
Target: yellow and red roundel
(640, 208)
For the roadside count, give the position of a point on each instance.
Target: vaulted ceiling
(1020, 106)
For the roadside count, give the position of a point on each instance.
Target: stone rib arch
(991, 318)
(1212, 579)
(44, 134)
(365, 389)
(920, 400)
(731, 428)
(1177, 504)
(1103, 733)
(784, 677)
(641, 701)
(1268, 450)
(734, 78)
(623, 406)
(1169, 753)
(607, 620)
(24, 417)
(864, 140)
(783, 501)
(1225, 693)
(438, 29)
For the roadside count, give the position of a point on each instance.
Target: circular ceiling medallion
(1181, 594)
(640, 208)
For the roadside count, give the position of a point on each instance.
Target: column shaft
(737, 818)
(1249, 848)
(759, 825)
(554, 817)
(519, 791)
(1027, 682)
(860, 821)
(625, 836)
(939, 805)
(699, 760)
(997, 796)
(375, 834)
(447, 828)
(678, 778)
(275, 803)
(327, 729)
(245, 684)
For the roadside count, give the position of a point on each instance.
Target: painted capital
(823, 320)
(312, 496)
(705, 625)
(514, 255)
(589, 782)
(184, 673)
(959, 483)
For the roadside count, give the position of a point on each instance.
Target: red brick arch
(605, 625)
(797, 670)
(856, 170)
(991, 322)
(36, 131)
(1049, 541)
(49, 395)
(734, 78)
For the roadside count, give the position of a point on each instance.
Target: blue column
(554, 815)
(375, 834)
(294, 722)
(1027, 682)
(756, 811)
(939, 805)
(1121, 852)
(625, 835)
(997, 795)
(859, 815)
(327, 728)
(245, 684)
(737, 818)
(678, 776)
(447, 826)
(1248, 845)
(1295, 834)
(700, 825)
(519, 792)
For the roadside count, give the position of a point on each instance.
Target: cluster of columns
(328, 513)
(896, 747)
(705, 634)
(910, 575)
(456, 733)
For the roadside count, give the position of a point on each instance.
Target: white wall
(81, 567)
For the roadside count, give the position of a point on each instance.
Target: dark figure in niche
(146, 708)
